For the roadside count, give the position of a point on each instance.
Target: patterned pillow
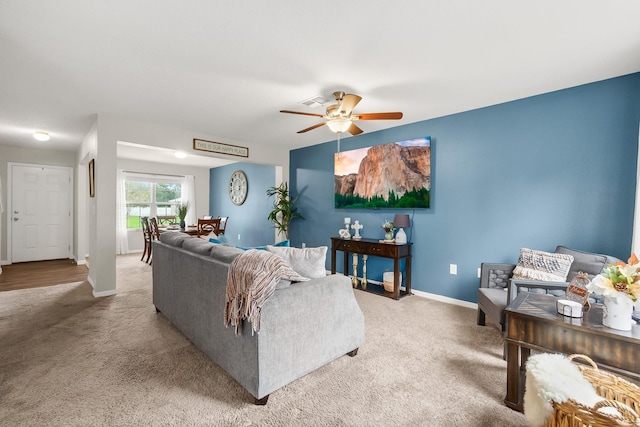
(543, 266)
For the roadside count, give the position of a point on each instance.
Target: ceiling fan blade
(379, 116)
(301, 113)
(349, 101)
(354, 130)
(312, 127)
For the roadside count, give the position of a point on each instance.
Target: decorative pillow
(543, 266)
(284, 243)
(307, 262)
(585, 262)
(218, 240)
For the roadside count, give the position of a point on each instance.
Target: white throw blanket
(251, 280)
(554, 378)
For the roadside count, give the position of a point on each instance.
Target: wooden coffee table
(534, 324)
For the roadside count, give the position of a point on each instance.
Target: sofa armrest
(535, 286)
(493, 275)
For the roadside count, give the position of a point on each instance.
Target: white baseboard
(428, 295)
(448, 300)
(104, 293)
(100, 294)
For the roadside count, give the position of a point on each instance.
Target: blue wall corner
(554, 169)
(249, 219)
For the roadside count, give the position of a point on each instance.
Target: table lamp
(401, 221)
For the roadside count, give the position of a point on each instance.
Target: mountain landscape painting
(395, 175)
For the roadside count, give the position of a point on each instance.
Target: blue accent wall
(249, 219)
(554, 169)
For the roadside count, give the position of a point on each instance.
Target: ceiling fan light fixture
(339, 125)
(41, 136)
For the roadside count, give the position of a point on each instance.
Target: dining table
(191, 230)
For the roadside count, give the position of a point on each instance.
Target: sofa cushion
(587, 262)
(307, 262)
(173, 238)
(283, 283)
(224, 253)
(198, 246)
(543, 266)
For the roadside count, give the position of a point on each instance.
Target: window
(151, 197)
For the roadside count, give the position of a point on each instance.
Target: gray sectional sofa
(304, 325)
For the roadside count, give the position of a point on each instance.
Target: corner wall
(554, 169)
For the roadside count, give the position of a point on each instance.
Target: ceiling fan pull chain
(338, 145)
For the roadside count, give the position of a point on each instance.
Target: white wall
(201, 175)
(101, 208)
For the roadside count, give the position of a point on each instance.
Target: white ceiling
(226, 68)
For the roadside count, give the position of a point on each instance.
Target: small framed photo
(92, 182)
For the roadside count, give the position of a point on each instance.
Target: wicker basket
(616, 390)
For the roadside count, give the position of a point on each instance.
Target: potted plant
(183, 208)
(283, 208)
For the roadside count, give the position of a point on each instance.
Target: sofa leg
(353, 352)
(262, 401)
(481, 318)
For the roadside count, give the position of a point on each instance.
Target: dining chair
(155, 230)
(223, 224)
(148, 238)
(206, 226)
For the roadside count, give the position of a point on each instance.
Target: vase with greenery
(183, 208)
(284, 210)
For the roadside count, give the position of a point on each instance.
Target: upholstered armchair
(498, 288)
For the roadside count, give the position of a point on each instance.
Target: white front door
(40, 213)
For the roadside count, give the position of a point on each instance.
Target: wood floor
(25, 275)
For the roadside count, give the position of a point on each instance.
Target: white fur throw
(553, 378)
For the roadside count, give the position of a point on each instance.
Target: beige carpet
(67, 359)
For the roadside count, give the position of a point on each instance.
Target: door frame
(10, 166)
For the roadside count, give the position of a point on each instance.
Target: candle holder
(354, 278)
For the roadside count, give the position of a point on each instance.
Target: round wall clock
(238, 186)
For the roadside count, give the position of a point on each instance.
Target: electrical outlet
(478, 272)
(453, 269)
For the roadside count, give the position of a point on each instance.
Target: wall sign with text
(220, 148)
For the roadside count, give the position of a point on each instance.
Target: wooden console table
(534, 324)
(375, 248)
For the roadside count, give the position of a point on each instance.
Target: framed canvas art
(395, 175)
(92, 183)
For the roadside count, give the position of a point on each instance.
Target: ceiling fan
(339, 117)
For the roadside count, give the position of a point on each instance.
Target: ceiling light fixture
(180, 154)
(339, 124)
(41, 136)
